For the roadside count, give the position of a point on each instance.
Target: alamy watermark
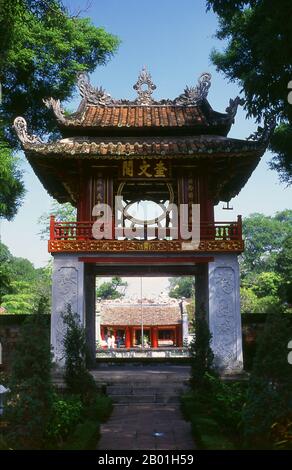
(176, 222)
(290, 92)
(289, 357)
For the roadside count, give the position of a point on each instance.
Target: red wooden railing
(83, 230)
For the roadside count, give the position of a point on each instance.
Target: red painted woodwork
(179, 336)
(154, 337)
(128, 337)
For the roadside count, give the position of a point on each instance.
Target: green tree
(260, 293)
(42, 47)
(181, 287)
(270, 387)
(21, 300)
(11, 183)
(110, 289)
(30, 400)
(264, 237)
(284, 267)
(5, 271)
(45, 49)
(62, 212)
(21, 285)
(257, 55)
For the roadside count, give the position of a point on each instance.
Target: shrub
(201, 354)
(66, 414)
(78, 380)
(30, 401)
(100, 408)
(84, 437)
(270, 387)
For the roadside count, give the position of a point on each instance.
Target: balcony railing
(84, 231)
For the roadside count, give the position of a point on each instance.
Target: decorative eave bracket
(20, 127)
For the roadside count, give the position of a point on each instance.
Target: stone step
(144, 399)
(141, 382)
(134, 389)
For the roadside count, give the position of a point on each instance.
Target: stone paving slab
(134, 426)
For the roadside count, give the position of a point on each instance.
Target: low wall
(10, 327)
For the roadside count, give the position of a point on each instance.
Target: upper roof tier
(99, 113)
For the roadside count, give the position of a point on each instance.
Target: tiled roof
(143, 116)
(156, 314)
(147, 146)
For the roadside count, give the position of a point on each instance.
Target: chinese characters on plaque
(145, 169)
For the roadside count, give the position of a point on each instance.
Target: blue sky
(174, 40)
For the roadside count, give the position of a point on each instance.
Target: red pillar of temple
(179, 336)
(128, 338)
(154, 337)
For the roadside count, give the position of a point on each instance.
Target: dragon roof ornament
(194, 95)
(55, 105)
(20, 127)
(264, 134)
(92, 95)
(231, 109)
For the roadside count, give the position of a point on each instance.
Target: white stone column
(224, 312)
(67, 288)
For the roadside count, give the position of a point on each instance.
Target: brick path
(143, 427)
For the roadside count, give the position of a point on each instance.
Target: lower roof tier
(228, 162)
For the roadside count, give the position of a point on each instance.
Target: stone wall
(10, 327)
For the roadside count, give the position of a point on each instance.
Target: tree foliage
(22, 285)
(113, 289)
(258, 54)
(62, 213)
(270, 387)
(181, 287)
(45, 48)
(42, 48)
(11, 183)
(264, 237)
(30, 400)
(284, 268)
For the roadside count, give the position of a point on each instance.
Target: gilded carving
(72, 246)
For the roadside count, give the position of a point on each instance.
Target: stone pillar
(90, 305)
(67, 288)
(217, 292)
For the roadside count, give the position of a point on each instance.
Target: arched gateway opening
(115, 154)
